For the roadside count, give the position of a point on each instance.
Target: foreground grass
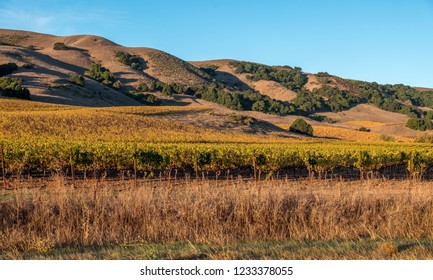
(210, 219)
(364, 249)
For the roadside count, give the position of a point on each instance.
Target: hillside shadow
(142, 63)
(139, 72)
(231, 80)
(178, 100)
(267, 126)
(58, 63)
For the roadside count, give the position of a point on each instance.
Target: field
(225, 219)
(134, 183)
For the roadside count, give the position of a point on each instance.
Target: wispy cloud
(59, 20)
(20, 18)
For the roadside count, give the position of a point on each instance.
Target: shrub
(172, 88)
(336, 99)
(302, 127)
(101, 74)
(150, 99)
(156, 86)
(147, 99)
(419, 124)
(28, 66)
(142, 87)
(58, 46)
(97, 72)
(245, 100)
(242, 120)
(364, 129)
(387, 138)
(117, 84)
(323, 74)
(320, 118)
(167, 90)
(210, 70)
(77, 79)
(309, 102)
(128, 59)
(259, 105)
(8, 68)
(12, 88)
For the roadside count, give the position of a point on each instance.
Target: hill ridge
(231, 83)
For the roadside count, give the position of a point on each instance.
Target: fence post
(135, 165)
(3, 166)
(71, 161)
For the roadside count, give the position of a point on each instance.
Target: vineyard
(75, 178)
(321, 159)
(39, 139)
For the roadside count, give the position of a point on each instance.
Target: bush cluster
(323, 74)
(101, 74)
(292, 78)
(8, 68)
(364, 129)
(28, 66)
(157, 86)
(77, 79)
(210, 70)
(128, 59)
(395, 98)
(147, 99)
(419, 124)
(245, 100)
(12, 87)
(302, 127)
(59, 46)
(242, 120)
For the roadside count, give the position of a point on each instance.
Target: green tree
(11, 87)
(259, 105)
(8, 68)
(77, 79)
(302, 127)
(419, 124)
(308, 101)
(167, 90)
(101, 74)
(128, 59)
(143, 87)
(58, 46)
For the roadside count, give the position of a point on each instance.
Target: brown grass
(368, 124)
(102, 213)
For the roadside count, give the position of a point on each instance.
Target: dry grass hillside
(48, 80)
(226, 74)
(316, 82)
(377, 120)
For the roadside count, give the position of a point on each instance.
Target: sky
(372, 40)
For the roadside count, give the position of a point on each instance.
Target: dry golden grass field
(226, 219)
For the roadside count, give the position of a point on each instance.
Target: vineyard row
(18, 157)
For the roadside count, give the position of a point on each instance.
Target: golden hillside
(52, 67)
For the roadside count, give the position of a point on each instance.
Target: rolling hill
(274, 96)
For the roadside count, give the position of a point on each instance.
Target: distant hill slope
(54, 66)
(273, 94)
(226, 74)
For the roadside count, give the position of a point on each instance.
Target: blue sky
(385, 41)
